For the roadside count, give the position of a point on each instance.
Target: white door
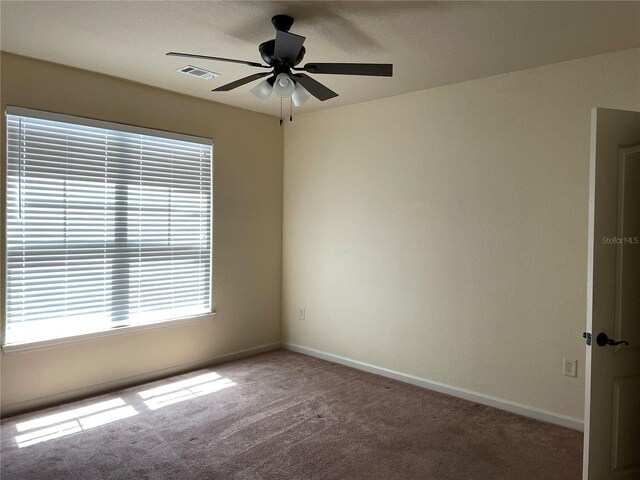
(612, 414)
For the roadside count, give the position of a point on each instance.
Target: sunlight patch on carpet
(72, 421)
(184, 390)
(69, 414)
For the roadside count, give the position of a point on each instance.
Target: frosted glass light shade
(262, 91)
(300, 95)
(283, 86)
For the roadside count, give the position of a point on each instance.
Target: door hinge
(587, 336)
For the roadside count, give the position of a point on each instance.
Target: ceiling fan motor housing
(281, 23)
(266, 52)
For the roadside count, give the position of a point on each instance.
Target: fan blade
(288, 46)
(242, 81)
(314, 87)
(220, 59)
(370, 69)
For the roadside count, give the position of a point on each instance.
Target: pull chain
(280, 111)
(290, 109)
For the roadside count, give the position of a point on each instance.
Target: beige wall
(247, 237)
(443, 233)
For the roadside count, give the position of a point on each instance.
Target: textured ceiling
(430, 43)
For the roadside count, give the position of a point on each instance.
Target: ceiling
(430, 43)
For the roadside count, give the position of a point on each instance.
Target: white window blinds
(107, 226)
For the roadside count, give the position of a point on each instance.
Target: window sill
(43, 344)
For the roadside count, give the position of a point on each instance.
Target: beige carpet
(283, 415)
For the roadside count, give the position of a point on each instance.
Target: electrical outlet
(569, 367)
(301, 314)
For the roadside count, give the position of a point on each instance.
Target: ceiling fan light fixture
(262, 91)
(284, 85)
(300, 95)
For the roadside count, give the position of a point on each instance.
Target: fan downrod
(282, 22)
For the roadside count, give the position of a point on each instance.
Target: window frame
(116, 331)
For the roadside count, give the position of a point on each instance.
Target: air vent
(198, 72)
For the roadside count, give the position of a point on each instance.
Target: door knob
(603, 339)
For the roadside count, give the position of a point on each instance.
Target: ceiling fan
(281, 55)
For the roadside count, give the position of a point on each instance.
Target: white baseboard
(512, 407)
(97, 389)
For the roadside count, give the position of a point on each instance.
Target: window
(107, 226)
